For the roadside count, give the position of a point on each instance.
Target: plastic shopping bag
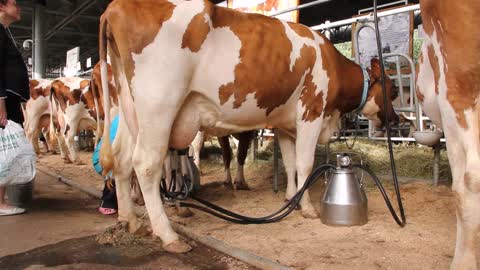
(17, 157)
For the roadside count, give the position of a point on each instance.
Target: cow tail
(106, 156)
(52, 132)
(95, 94)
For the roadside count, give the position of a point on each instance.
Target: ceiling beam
(23, 27)
(29, 10)
(83, 34)
(80, 9)
(66, 33)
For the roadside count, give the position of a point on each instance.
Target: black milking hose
(387, 123)
(290, 205)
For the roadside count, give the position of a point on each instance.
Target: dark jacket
(13, 71)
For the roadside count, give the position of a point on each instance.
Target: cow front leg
(244, 142)
(306, 142)
(126, 211)
(287, 148)
(197, 147)
(63, 148)
(227, 158)
(50, 148)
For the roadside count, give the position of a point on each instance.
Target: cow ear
(375, 66)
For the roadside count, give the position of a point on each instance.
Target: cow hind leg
(227, 158)
(124, 174)
(152, 143)
(32, 132)
(34, 137)
(147, 159)
(465, 165)
(70, 144)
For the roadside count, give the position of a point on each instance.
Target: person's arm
(3, 113)
(3, 93)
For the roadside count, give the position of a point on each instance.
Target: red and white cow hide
(188, 66)
(448, 88)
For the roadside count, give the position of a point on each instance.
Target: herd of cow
(180, 68)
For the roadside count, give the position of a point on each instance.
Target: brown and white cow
(37, 112)
(448, 88)
(39, 116)
(186, 66)
(74, 105)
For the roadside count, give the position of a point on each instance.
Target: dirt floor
(62, 230)
(427, 241)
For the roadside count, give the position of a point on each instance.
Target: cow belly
(200, 113)
(88, 124)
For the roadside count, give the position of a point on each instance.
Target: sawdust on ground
(426, 242)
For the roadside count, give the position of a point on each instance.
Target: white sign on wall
(89, 62)
(73, 56)
(395, 35)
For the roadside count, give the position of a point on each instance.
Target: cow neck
(351, 88)
(366, 86)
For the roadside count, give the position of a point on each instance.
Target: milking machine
(180, 175)
(344, 201)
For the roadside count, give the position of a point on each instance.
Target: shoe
(107, 211)
(11, 211)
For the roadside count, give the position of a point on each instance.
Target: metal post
(327, 152)
(275, 163)
(327, 33)
(39, 41)
(436, 164)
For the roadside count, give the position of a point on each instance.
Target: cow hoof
(228, 185)
(309, 213)
(177, 246)
(67, 161)
(143, 231)
(241, 186)
(134, 226)
(184, 212)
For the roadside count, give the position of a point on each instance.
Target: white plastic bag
(17, 157)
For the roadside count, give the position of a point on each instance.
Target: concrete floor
(58, 232)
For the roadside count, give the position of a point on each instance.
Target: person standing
(14, 80)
